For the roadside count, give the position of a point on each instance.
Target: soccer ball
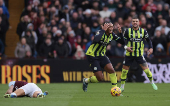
(115, 91)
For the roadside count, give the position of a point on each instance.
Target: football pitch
(98, 94)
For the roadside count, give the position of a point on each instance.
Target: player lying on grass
(20, 89)
(97, 58)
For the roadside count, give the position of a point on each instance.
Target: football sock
(13, 95)
(123, 77)
(92, 79)
(113, 79)
(149, 74)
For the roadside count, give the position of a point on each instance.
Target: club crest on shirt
(97, 33)
(95, 68)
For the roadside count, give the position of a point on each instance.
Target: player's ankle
(13, 95)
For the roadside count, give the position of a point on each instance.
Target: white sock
(151, 82)
(122, 86)
(14, 94)
(86, 80)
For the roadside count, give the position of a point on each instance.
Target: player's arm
(11, 86)
(9, 91)
(146, 37)
(100, 33)
(120, 38)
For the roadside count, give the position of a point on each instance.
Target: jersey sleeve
(11, 83)
(115, 37)
(146, 35)
(119, 39)
(98, 35)
(125, 34)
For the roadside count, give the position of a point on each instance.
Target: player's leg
(124, 76)
(141, 60)
(107, 66)
(36, 92)
(98, 76)
(126, 65)
(113, 78)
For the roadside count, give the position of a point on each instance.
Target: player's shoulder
(99, 32)
(11, 83)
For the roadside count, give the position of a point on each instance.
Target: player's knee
(125, 67)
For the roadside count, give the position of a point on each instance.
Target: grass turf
(71, 94)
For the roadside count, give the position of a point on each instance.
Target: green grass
(71, 94)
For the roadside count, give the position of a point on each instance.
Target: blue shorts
(96, 63)
(129, 60)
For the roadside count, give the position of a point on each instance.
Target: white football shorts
(30, 88)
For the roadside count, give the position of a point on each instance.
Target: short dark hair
(135, 17)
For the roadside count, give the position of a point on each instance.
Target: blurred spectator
(113, 17)
(34, 34)
(78, 42)
(120, 12)
(79, 54)
(150, 30)
(35, 21)
(30, 40)
(105, 12)
(150, 19)
(5, 10)
(61, 48)
(87, 35)
(46, 49)
(119, 50)
(160, 50)
(168, 18)
(4, 25)
(22, 48)
(57, 35)
(28, 54)
(85, 4)
(159, 11)
(35, 5)
(95, 27)
(157, 2)
(22, 26)
(110, 50)
(71, 39)
(163, 24)
(74, 21)
(2, 47)
(66, 14)
(151, 5)
(26, 11)
(159, 39)
(42, 37)
(87, 17)
(89, 43)
(79, 30)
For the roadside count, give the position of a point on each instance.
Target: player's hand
(129, 49)
(119, 28)
(105, 26)
(150, 51)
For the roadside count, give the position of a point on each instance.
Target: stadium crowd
(66, 28)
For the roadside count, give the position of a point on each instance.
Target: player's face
(135, 23)
(110, 29)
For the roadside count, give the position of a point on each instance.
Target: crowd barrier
(69, 70)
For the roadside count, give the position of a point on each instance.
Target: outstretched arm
(119, 39)
(9, 91)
